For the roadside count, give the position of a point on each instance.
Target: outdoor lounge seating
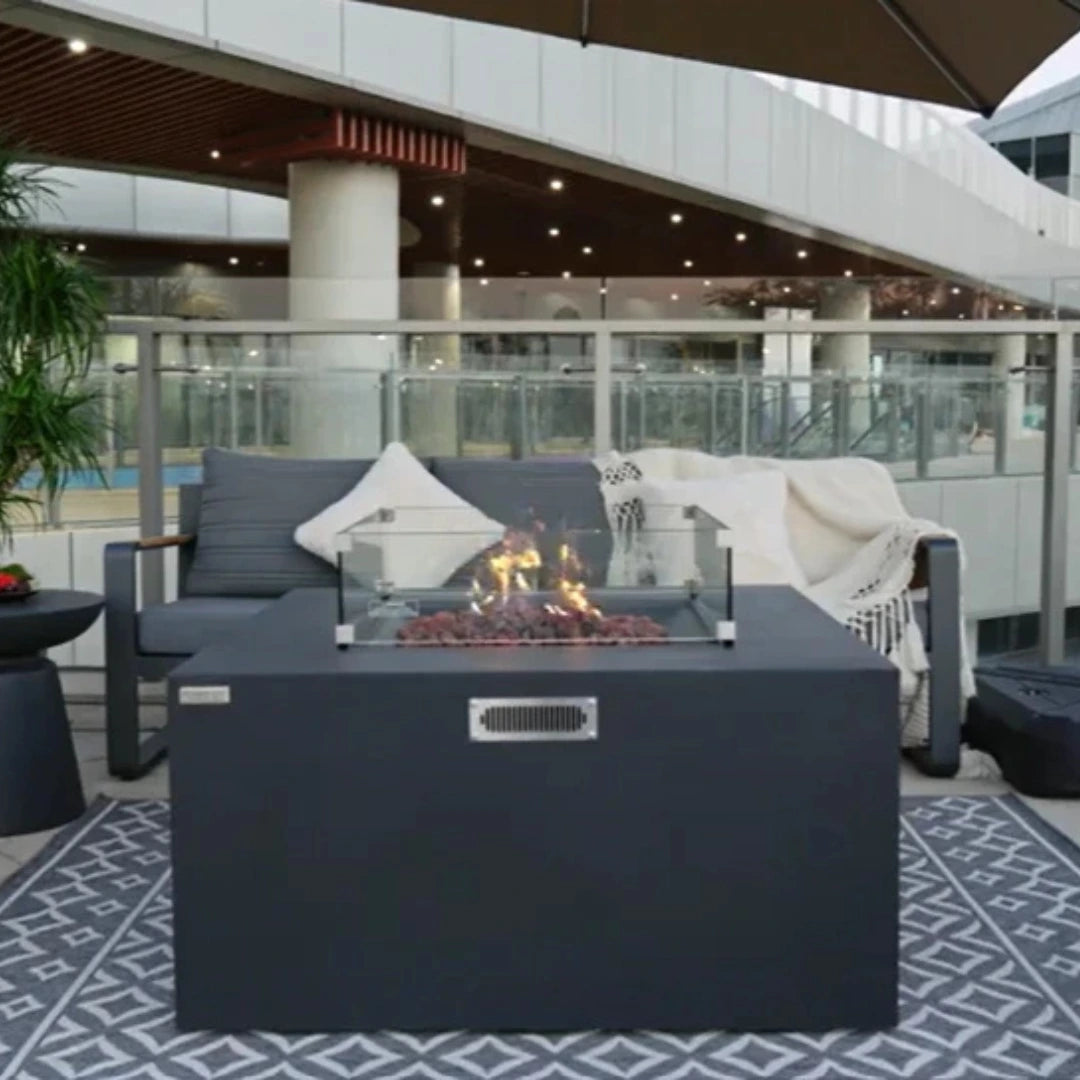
(236, 553)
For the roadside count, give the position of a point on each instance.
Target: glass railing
(473, 297)
(925, 406)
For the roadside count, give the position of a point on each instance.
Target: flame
(515, 570)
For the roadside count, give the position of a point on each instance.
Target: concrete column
(848, 354)
(790, 354)
(1010, 353)
(343, 264)
(434, 293)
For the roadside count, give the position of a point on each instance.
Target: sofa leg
(129, 757)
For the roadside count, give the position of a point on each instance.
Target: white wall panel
(47, 555)
(1028, 551)
(377, 39)
(645, 110)
(981, 511)
(172, 207)
(258, 217)
(828, 170)
(308, 35)
(788, 152)
(88, 199)
(497, 74)
(749, 126)
(576, 94)
(185, 15)
(701, 150)
(923, 499)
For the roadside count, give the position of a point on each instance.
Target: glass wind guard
(416, 576)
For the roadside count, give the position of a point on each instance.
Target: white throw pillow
(430, 533)
(750, 505)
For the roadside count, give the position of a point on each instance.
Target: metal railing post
(892, 434)
(151, 494)
(841, 439)
(744, 414)
(923, 432)
(519, 447)
(1055, 538)
(602, 393)
(1001, 426)
(785, 417)
(713, 419)
(234, 411)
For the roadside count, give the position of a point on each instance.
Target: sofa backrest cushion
(249, 509)
(564, 493)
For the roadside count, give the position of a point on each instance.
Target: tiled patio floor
(90, 746)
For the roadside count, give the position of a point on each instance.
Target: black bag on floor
(1028, 720)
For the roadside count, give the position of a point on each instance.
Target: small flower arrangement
(16, 582)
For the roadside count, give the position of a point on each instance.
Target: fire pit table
(415, 825)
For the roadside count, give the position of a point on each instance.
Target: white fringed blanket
(836, 530)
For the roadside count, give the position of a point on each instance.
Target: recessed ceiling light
(566, 273)
(586, 250)
(688, 263)
(674, 296)
(553, 231)
(80, 248)
(233, 260)
(483, 281)
(905, 312)
(555, 184)
(478, 263)
(676, 219)
(77, 46)
(740, 237)
(215, 154)
(437, 200)
(787, 288)
(849, 273)
(803, 253)
(956, 290)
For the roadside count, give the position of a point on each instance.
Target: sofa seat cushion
(250, 507)
(183, 627)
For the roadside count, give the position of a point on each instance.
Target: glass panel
(424, 576)
(1051, 157)
(1018, 151)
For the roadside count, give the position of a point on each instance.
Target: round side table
(39, 776)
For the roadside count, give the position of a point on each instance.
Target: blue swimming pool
(126, 476)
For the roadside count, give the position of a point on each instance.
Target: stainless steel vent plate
(548, 719)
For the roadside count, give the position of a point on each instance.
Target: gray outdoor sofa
(236, 554)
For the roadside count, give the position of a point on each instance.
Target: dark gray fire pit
(675, 836)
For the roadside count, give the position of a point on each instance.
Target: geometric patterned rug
(990, 976)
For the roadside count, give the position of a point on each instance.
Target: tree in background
(52, 316)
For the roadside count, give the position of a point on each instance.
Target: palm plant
(52, 311)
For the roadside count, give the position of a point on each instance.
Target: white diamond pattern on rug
(989, 978)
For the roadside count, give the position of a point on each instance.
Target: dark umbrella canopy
(965, 53)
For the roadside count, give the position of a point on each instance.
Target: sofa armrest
(939, 561)
(150, 543)
(120, 589)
